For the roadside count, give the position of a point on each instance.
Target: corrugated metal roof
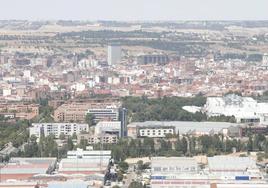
(69, 184)
(228, 163)
(184, 126)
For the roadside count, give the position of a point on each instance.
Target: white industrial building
(114, 54)
(57, 129)
(174, 172)
(112, 127)
(244, 109)
(155, 132)
(221, 171)
(234, 168)
(149, 128)
(89, 154)
(85, 162)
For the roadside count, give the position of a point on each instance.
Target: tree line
(185, 145)
(142, 109)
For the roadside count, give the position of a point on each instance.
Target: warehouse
(177, 172)
(221, 171)
(234, 168)
(85, 162)
(26, 168)
(183, 127)
(244, 109)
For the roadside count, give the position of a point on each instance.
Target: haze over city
(134, 94)
(129, 10)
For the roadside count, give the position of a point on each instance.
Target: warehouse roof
(228, 163)
(185, 126)
(28, 165)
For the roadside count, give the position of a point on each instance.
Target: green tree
(116, 186)
(31, 149)
(83, 144)
(89, 119)
(74, 136)
(132, 148)
(148, 146)
(123, 166)
(70, 144)
(118, 153)
(266, 149)
(184, 145)
(140, 165)
(135, 184)
(62, 136)
(250, 144)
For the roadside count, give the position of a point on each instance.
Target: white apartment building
(96, 139)
(105, 139)
(114, 54)
(265, 61)
(155, 132)
(57, 129)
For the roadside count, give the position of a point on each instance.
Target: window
(165, 169)
(157, 169)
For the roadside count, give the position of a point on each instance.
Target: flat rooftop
(185, 126)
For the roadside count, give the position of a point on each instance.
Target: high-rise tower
(114, 54)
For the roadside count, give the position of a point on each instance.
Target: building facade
(114, 54)
(85, 162)
(244, 109)
(19, 110)
(110, 127)
(96, 139)
(57, 129)
(76, 111)
(153, 59)
(173, 172)
(104, 114)
(155, 132)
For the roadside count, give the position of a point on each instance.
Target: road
(130, 176)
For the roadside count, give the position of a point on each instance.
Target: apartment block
(76, 111)
(57, 129)
(20, 110)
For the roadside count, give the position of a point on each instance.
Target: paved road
(131, 176)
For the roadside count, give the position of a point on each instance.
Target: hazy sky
(134, 9)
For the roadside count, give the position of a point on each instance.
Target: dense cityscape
(160, 104)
